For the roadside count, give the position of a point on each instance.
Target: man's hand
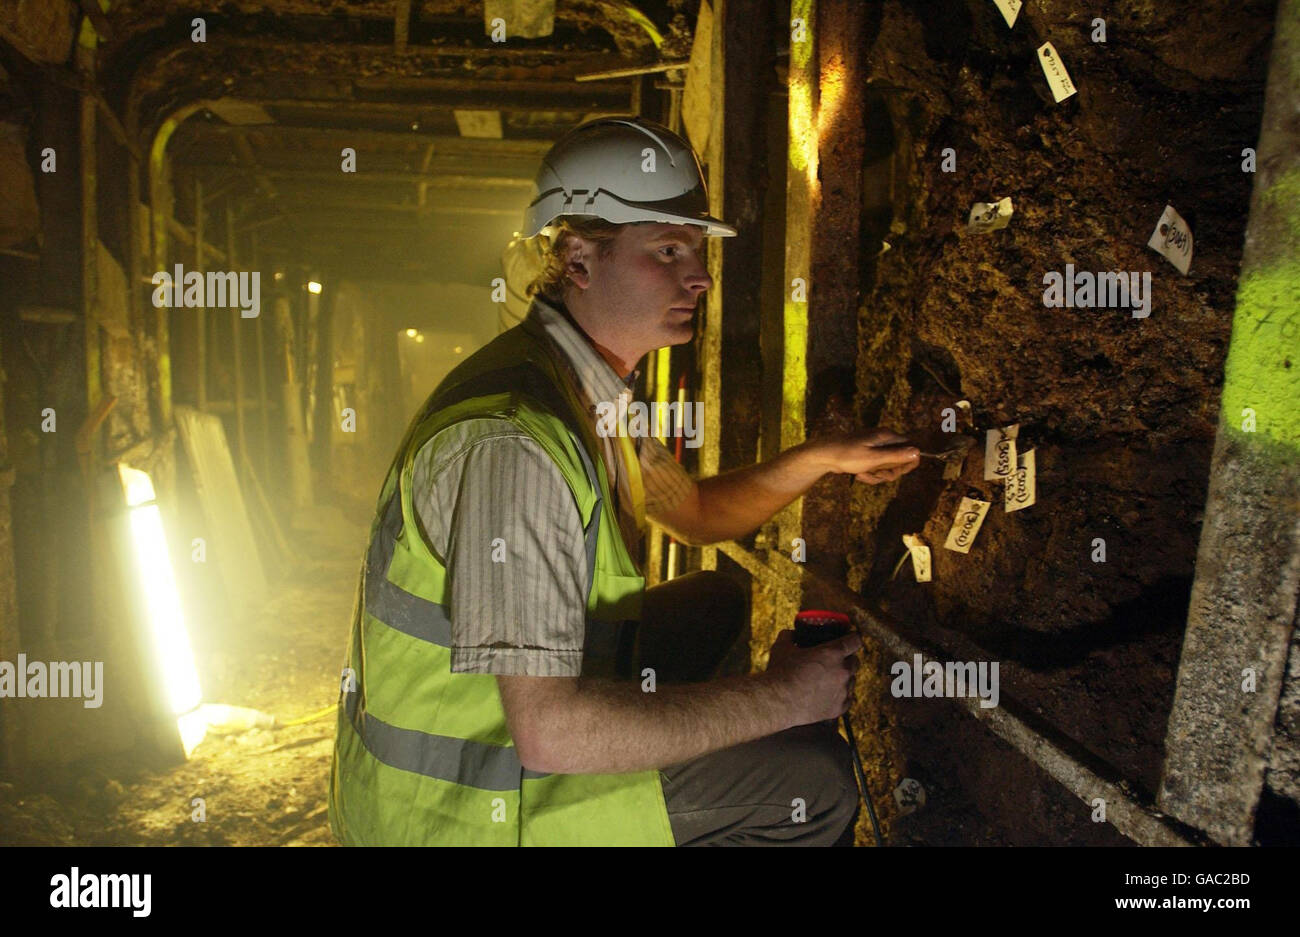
(819, 679)
(874, 457)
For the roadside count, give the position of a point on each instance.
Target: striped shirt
(497, 511)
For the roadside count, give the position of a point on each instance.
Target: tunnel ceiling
(447, 125)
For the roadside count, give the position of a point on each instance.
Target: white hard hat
(600, 169)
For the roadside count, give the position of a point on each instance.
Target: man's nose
(698, 278)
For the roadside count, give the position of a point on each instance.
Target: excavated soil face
(1120, 410)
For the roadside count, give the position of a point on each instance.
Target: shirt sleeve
(666, 483)
(497, 507)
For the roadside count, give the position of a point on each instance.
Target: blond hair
(553, 277)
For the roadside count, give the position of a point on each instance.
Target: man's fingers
(875, 478)
(784, 640)
(891, 457)
(885, 437)
(890, 471)
(851, 643)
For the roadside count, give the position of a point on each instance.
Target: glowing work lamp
(173, 658)
(313, 286)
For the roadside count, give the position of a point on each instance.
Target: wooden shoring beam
(443, 145)
(402, 25)
(523, 97)
(435, 180)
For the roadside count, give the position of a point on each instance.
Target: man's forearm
(735, 503)
(610, 726)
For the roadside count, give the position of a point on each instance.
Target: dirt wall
(1119, 408)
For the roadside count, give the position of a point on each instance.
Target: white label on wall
(1000, 453)
(989, 216)
(1009, 9)
(920, 557)
(1058, 79)
(970, 515)
(1172, 239)
(1021, 490)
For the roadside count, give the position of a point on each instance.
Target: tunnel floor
(260, 787)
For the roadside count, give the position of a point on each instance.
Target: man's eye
(670, 247)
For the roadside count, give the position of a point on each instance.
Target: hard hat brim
(552, 205)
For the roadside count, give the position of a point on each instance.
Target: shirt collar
(597, 380)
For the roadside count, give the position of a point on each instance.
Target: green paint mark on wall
(1263, 367)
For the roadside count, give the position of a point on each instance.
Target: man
(510, 681)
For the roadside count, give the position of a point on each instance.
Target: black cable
(862, 778)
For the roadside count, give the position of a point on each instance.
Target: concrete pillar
(1243, 603)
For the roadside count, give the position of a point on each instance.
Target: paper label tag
(1000, 452)
(970, 515)
(920, 557)
(1058, 79)
(1172, 239)
(1009, 9)
(989, 216)
(909, 795)
(1021, 490)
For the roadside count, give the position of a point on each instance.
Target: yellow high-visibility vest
(422, 755)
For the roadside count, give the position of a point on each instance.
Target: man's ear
(576, 252)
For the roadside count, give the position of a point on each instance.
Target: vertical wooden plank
(710, 364)
(136, 294)
(803, 194)
(749, 51)
(654, 534)
(160, 209)
(236, 351)
(90, 256)
(264, 429)
(159, 212)
(222, 500)
(10, 639)
(836, 264)
(200, 314)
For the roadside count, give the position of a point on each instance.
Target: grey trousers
(793, 788)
